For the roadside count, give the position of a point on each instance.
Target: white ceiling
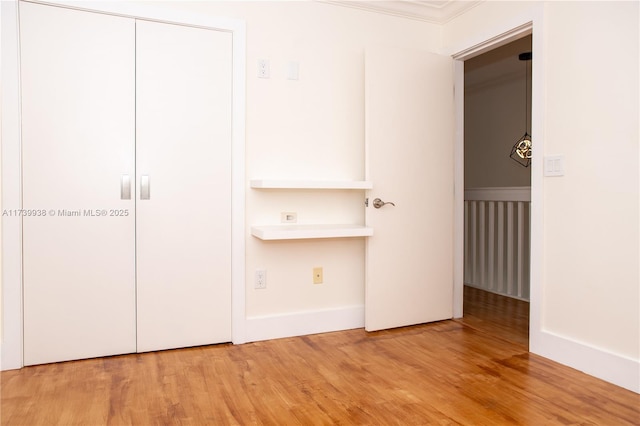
(438, 12)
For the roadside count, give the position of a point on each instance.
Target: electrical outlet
(263, 68)
(261, 279)
(288, 217)
(317, 275)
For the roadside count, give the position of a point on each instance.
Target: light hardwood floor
(474, 371)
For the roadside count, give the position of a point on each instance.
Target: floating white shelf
(310, 184)
(298, 232)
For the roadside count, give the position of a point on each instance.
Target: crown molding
(437, 12)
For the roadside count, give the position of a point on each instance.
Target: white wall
(585, 248)
(587, 109)
(312, 128)
(591, 282)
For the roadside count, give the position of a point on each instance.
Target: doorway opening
(497, 190)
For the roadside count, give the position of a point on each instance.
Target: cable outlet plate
(317, 275)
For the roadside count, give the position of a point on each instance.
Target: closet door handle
(145, 191)
(125, 187)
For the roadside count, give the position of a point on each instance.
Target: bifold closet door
(183, 144)
(78, 118)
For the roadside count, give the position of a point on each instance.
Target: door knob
(377, 203)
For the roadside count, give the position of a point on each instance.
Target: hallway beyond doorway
(505, 317)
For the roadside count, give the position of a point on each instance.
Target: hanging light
(521, 150)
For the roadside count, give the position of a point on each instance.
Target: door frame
(11, 337)
(532, 24)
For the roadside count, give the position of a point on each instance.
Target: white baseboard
(613, 368)
(303, 323)
(9, 359)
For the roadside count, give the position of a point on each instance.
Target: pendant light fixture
(521, 150)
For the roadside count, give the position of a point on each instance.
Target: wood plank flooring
(499, 315)
(470, 372)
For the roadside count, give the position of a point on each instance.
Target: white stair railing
(497, 240)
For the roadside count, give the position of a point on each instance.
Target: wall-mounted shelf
(310, 184)
(298, 232)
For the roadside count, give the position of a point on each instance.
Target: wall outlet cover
(288, 217)
(261, 279)
(317, 275)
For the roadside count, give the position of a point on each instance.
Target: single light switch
(293, 71)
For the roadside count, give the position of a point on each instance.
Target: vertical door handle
(125, 187)
(145, 191)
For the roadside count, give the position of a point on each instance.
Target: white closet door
(78, 134)
(183, 108)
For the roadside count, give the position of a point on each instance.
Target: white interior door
(183, 105)
(77, 144)
(409, 138)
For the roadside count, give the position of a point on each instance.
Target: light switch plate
(554, 165)
(293, 70)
